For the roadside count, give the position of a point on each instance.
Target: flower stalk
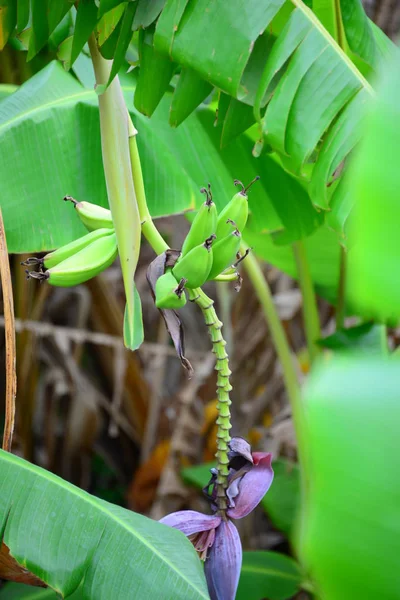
(114, 128)
(214, 325)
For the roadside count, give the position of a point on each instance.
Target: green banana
(169, 293)
(54, 258)
(92, 216)
(204, 223)
(236, 210)
(83, 265)
(224, 253)
(195, 265)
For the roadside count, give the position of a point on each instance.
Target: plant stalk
(149, 230)
(264, 296)
(341, 299)
(114, 126)
(310, 308)
(214, 325)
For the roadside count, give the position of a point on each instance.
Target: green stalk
(310, 308)
(149, 230)
(264, 296)
(114, 124)
(214, 325)
(341, 299)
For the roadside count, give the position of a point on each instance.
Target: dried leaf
(171, 318)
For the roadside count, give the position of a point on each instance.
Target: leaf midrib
(332, 42)
(58, 102)
(94, 502)
(269, 571)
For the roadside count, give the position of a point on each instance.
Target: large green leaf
(364, 38)
(67, 537)
(183, 27)
(351, 530)
(19, 591)
(50, 146)
(268, 575)
(6, 89)
(282, 502)
(8, 20)
(375, 184)
(306, 101)
(323, 254)
(49, 131)
(45, 16)
(365, 338)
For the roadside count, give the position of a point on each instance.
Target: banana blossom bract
(216, 538)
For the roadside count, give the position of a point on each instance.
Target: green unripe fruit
(236, 210)
(195, 266)
(82, 266)
(57, 256)
(169, 293)
(204, 224)
(224, 253)
(92, 215)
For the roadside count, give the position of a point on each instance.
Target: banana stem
(264, 296)
(149, 230)
(310, 308)
(114, 123)
(341, 299)
(214, 325)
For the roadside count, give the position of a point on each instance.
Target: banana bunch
(210, 250)
(83, 258)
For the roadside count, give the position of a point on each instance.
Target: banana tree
(275, 89)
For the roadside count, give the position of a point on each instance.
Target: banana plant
(289, 93)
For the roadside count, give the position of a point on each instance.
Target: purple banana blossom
(215, 537)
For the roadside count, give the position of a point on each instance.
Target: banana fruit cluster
(83, 258)
(210, 250)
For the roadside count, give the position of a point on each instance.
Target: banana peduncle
(223, 388)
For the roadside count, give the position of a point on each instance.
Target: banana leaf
(68, 538)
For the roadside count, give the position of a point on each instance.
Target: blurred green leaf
(322, 251)
(282, 502)
(45, 16)
(198, 475)
(190, 91)
(86, 19)
(8, 20)
(106, 5)
(42, 514)
(361, 34)
(344, 134)
(147, 12)
(238, 118)
(22, 14)
(6, 89)
(154, 75)
(107, 24)
(351, 531)
(19, 591)
(268, 575)
(326, 11)
(366, 338)
(220, 62)
(375, 182)
(124, 38)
